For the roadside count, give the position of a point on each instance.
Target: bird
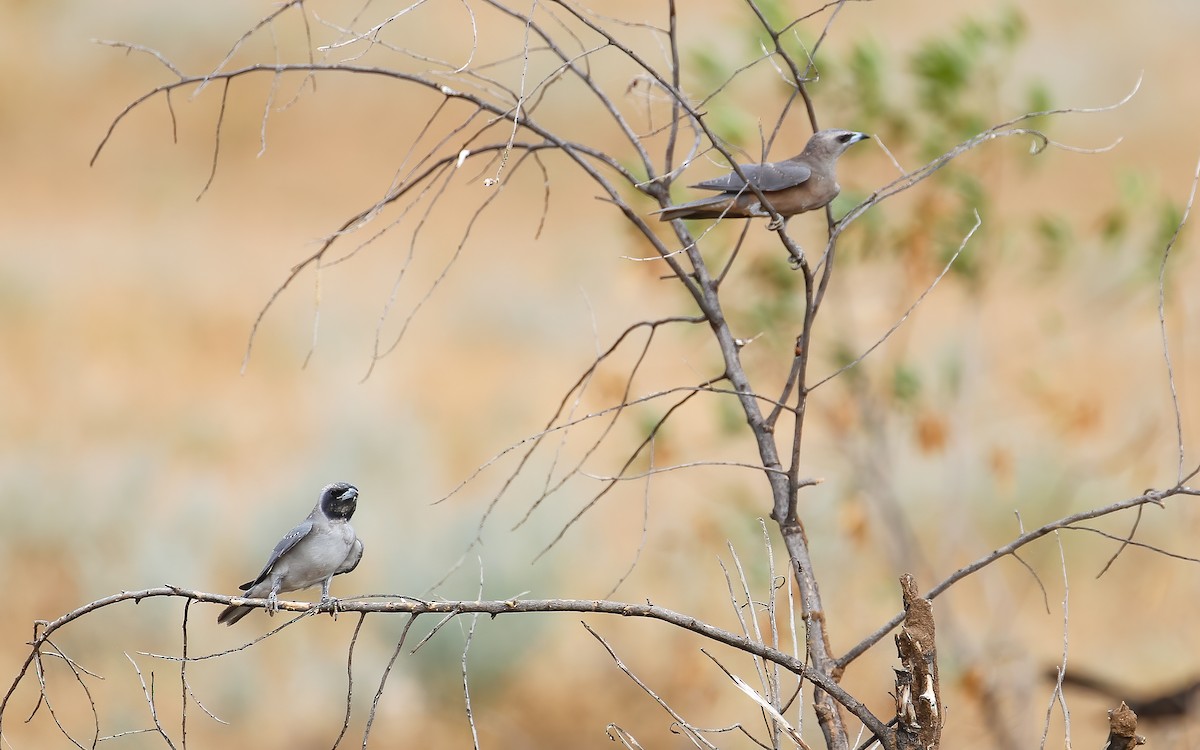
(792, 186)
(320, 547)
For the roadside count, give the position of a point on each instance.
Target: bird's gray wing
(352, 559)
(767, 177)
(291, 539)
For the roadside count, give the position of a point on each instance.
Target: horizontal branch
(404, 605)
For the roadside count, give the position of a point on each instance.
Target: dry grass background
(133, 453)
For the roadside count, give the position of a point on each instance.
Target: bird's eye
(844, 137)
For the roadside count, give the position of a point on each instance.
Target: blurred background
(134, 450)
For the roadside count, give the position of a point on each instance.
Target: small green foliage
(950, 87)
(1114, 225)
(952, 372)
(957, 89)
(1117, 223)
(733, 125)
(1038, 99)
(1055, 238)
(775, 273)
(711, 70)
(1133, 186)
(1169, 214)
(1011, 28)
(972, 196)
(868, 89)
(906, 384)
(731, 420)
(865, 65)
(943, 71)
(847, 200)
(646, 423)
(843, 355)
(779, 294)
(958, 75)
(776, 12)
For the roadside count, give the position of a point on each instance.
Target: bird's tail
(712, 207)
(232, 614)
(672, 213)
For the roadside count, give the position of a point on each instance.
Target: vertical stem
(820, 654)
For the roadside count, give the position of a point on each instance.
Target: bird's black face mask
(339, 501)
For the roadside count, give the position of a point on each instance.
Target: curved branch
(415, 607)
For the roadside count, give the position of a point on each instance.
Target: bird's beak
(349, 494)
(860, 137)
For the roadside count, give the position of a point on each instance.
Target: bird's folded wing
(291, 539)
(767, 177)
(352, 559)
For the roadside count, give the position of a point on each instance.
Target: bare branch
(1128, 541)
(1152, 496)
(212, 175)
(770, 710)
(1162, 321)
(128, 47)
(637, 555)
(383, 679)
(1002, 130)
(362, 616)
(414, 608)
(465, 683)
(148, 692)
(183, 683)
(903, 318)
(691, 732)
(1056, 695)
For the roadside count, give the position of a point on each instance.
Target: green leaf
(1056, 239)
(710, 69)
(1166, 224)
(906, 384)
(1012, 27)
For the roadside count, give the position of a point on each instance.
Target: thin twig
(911, 308)
(415, 607)
(383, 680)
(689, 731)
(1162, 320)
(362, 616)
(183, 683)
(1056, 695)
(1152, 496)
(765, 705)
(148, 692)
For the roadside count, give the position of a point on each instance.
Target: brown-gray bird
(792, 186)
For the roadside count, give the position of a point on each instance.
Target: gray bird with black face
(320, 547)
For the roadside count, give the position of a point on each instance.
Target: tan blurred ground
(134, 453)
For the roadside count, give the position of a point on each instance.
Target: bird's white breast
(317, 556)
